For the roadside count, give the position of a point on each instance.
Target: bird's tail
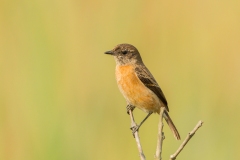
(171, 125)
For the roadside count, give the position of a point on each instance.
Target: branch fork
(161, 137)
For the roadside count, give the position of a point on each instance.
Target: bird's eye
(124, 51)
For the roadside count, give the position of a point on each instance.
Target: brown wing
(148, 80)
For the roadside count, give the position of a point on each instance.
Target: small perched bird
(137, 84)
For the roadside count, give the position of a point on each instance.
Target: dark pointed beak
(109, 52)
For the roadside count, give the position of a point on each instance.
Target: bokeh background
(58, 95)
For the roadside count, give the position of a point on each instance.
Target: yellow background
(58, 95)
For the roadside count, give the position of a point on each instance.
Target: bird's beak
(109, 52)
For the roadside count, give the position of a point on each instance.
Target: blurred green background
(58, 95)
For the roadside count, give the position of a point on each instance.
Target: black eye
(124, 51)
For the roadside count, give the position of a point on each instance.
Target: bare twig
(189, 136)
(158, 155)
(142, 156)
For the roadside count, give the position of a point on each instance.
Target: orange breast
(134, 91)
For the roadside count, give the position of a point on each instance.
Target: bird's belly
(134, 91)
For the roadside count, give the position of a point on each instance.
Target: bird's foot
(130, 107)
(134, 129)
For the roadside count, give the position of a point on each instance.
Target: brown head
(125, 54)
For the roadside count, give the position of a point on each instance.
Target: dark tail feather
(171, 125)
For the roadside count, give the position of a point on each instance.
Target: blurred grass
(58, 96)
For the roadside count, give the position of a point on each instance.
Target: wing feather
(148, 80)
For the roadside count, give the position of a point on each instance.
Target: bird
(138, 86)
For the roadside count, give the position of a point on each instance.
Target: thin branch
(142, 156)
(189, 136)
(158, 155)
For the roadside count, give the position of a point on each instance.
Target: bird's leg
(136, 127)
(130, 107)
